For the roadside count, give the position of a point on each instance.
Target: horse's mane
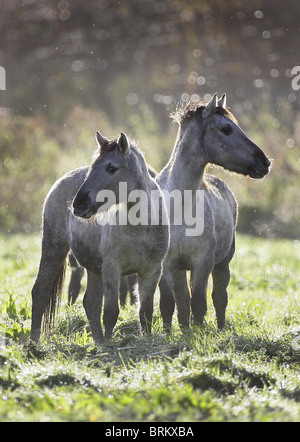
(140, 156)
(183, 113)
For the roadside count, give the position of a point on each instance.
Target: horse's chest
(87, 255)
(134, 255)
(85, 245)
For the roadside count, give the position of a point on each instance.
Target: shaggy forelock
(109, 146)
(185, 112)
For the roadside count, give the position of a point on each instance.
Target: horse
(207, 134)
(106, 247)
(127, 283)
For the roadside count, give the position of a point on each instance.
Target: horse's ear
(222, 101)
(210, 108)
(101, 140)
(123, 143)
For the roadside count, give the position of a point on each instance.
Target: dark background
(76, 66)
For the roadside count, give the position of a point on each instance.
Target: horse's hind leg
(178, 284)
(221, 278)
(92, 303)
(199, 281)
(127, 284)
(76, 276)
(132, 282)
(147, 283)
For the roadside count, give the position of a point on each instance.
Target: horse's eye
(111, 169)
(227, 129)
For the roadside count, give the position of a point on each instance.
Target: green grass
(247, 372)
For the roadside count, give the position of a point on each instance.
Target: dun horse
(127, 283)
(106, 251)
(207, 134)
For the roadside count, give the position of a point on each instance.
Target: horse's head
(223, 142)
(107, 171)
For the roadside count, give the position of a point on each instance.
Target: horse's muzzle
(260, 170)
(83, 214)
(82, 206)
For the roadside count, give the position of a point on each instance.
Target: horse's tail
(54, 299)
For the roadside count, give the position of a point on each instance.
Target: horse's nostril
(267, 163)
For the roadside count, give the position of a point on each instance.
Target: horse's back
(56, 205)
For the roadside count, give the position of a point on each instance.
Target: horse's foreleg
(147, 283)
(167, 302)
(111, 287)
(92, 303)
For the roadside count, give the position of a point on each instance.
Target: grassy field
(247, 372)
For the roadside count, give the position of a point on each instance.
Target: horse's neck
(185, 169)
(140, 173)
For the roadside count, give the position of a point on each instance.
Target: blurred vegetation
(73, 67)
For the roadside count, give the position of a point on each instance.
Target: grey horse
(107, 250)
(207, 134)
